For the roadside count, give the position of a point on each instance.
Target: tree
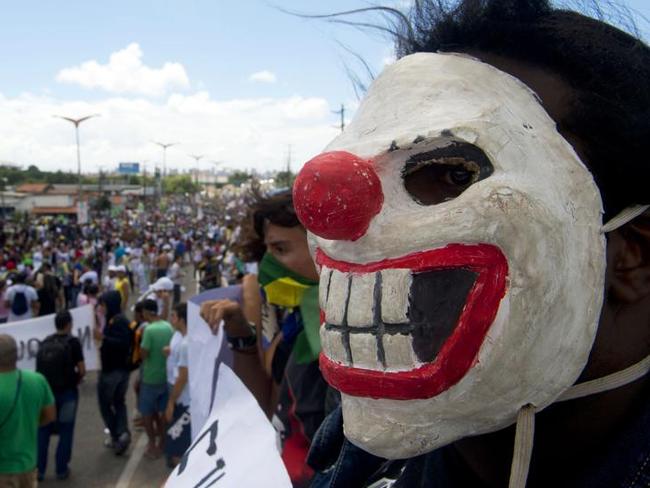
(238, 177)
(180, 184)
(284, 179)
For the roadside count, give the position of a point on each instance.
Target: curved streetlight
(76, 123)
(197, 158)
(164, 146)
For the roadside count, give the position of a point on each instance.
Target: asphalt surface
(95, 466)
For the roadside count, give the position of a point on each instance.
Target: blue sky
(235, 81)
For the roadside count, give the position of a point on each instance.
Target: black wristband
(241, 343)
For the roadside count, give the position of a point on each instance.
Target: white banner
(29, 334)
(205, 352)
(236, 447)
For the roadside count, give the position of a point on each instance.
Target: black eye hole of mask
(441, 174)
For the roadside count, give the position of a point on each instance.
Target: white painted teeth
(360, 310)
(332, 344)
(323, 287)
(395, 290)
(398, 352)
(338, 297)
(364, 351)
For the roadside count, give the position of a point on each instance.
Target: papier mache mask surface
(461, 260)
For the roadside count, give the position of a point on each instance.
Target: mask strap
(523, 449)
(525, 430)
(622, 218)
(609, 382)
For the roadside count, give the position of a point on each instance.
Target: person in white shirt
(21, 300)
(176, 274)
(109, 280)
(91, 275)
(177, 413)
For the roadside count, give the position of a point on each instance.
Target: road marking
(136, 456)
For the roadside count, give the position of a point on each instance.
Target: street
(95, 466)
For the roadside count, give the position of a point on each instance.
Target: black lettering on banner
(21, 350)
(32, 347)
(84, 337)
(212, 432)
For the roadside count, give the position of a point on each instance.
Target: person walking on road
(153, 389)
(21, 300)
(26, 401)
(177, 414)
(115, 353)
(60, 359)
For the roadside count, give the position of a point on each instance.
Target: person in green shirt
(26, 402)
(153, 388)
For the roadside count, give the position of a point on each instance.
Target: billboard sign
(129, 168)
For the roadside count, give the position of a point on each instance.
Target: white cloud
(125, 73)
(244, 133)
(264, 76)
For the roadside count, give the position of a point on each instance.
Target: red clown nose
(336, 195)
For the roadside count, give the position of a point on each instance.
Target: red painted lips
(458, 353)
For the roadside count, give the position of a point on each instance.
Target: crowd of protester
(132, 269)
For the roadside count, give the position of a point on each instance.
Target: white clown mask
(458, 239)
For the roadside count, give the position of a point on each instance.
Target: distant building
(61, 199)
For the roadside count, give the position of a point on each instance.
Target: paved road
(94, 466)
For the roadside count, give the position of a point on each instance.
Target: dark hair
(139, 307)
(276, 209)
(150, 305)
(607, 69)
(62, 319)
(181, 311)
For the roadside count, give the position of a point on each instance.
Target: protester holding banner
(277, 359)
(60, 359)
(26, 401)
(177, 413)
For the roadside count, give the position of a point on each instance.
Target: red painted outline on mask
(459, 352)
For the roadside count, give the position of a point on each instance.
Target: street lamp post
(76, 123)
(197, 158)
(164, 146)
(4, 189)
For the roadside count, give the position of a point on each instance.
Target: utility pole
(4, 189)
(197, 158)
(144, 180)
(289, 159)
(76, 123)
(164, 147)
(342, 114)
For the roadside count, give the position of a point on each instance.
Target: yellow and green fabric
(287, 289)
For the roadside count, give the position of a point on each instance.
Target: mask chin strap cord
(526, 417)
(525, 430)
(628, 214)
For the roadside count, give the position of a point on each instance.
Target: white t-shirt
(174, 273)
(30, 296)
(89, 275)
(178, 358)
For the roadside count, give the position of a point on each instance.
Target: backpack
(54, 361)
(19, 305)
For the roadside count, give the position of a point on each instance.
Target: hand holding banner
(235, 448)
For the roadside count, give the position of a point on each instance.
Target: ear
(629, 260)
